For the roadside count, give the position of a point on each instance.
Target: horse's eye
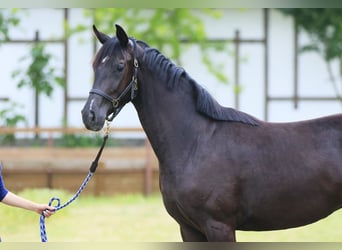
(120, 66)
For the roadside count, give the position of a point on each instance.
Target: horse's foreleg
(218, 231)
(191, 235)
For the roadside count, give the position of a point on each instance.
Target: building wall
(313, 76)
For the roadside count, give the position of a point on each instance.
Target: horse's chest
(177, 209)
(171, 193)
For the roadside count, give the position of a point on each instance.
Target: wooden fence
(121, 169)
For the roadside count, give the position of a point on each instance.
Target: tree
(164, 29)
(8, 19)
(39, 75)
(324, 28)
(8, 113)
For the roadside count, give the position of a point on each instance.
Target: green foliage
(324, 27)
(39, 75)
(9, 117)
(8, 19)
(71, 140)
(163, 29)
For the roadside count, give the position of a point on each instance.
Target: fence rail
(64, 130)
(122, 169)
(50, 132)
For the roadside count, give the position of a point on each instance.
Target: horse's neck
(167, 116)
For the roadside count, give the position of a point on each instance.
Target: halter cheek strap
(132, 86)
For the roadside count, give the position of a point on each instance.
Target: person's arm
(14, 200)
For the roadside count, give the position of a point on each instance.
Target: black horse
(221, 170)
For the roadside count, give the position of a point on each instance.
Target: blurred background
(275, 64)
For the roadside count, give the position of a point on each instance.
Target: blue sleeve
(3, 190)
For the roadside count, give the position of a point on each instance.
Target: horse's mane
(205, 103)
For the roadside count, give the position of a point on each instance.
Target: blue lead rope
(43, 234)
(92, 170)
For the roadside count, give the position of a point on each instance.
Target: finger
(47, 213)
(51, 209)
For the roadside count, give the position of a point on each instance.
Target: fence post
(36, 97)
(237, 69)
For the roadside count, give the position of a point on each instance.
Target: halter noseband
(132, 86)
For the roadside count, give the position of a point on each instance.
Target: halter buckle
(115, 103)
(135, 63)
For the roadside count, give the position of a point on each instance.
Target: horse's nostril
(91, 115)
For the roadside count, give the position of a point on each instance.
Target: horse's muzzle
(92, 121)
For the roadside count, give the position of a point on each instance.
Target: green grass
(121, 218)
(130, 218)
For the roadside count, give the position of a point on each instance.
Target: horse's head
(115, 82)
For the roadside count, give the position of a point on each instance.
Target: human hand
(45, 209)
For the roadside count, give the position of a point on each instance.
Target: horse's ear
(121, 35)
(100, 36)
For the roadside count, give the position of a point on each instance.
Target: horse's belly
(290, 200)
(287, 215)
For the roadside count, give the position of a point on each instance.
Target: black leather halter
(132, 86)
